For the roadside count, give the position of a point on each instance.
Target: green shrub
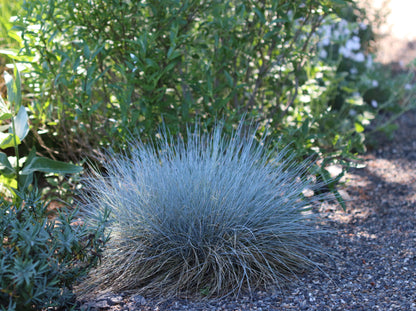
(109, 69)
(41, 258)
(214, 215)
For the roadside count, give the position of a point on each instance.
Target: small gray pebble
(138, 299)
(115, 299)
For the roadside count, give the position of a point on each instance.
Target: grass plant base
(213, 216)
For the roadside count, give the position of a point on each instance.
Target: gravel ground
(373, 242)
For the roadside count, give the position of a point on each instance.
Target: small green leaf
(14, 53)
(26, 180)
(50, 166)
(172, 54)
(31, 156)
(5, 116)
(340, 200)
(260, 15)
(7, 140)
(18, 87)
(151, 63)
(21, 123)
(5, 166)
(229, 79)
(359, 128)
(87, 52)
(8, 79)
(3, 107)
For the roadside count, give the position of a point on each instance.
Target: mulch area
(373, 245)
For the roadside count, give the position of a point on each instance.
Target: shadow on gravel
(386, 187)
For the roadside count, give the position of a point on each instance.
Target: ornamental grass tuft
(213, 215)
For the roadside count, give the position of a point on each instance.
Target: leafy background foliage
(138, 63)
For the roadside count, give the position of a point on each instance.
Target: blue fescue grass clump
(215, 214)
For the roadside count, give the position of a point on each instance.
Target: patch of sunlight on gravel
(398, 174)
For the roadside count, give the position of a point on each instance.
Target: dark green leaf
(50, 166)
(260, 15)
(5, 166)
(18, 88)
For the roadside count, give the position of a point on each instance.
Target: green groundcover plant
(215, 214)
(41, 258)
